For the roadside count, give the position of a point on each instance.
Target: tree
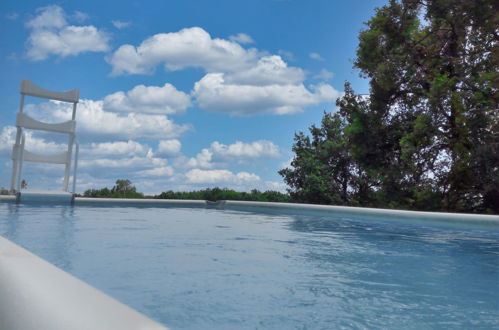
(427, 136)
(122, 189)
(322, 171)
(123, 186)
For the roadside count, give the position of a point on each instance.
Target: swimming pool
(207, 268)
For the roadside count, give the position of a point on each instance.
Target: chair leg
(15, 164)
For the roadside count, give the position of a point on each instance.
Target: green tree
(122, 189)
(123, 186)
(427, 135)
(322, 171)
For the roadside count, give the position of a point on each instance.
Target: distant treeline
(122, 189)
(215, 194)
(125, 189)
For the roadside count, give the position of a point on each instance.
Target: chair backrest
(30, 89)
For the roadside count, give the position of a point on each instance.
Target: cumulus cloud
(214, 93)
(116, 148)
(95, 122)
(316, 56)
(287, 164)
(220, 177)
(190, 47)
(129, 159)
(157, 172)
(120, 24)
(149, 99)
(268, 70)
(241, 38)
(122, 163)
(256, 149)
(219, 154)
(239, 81)
(202, 159)
(52, 35)
(33, 143)
(169, 147)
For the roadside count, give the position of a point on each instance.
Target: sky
(176, 95)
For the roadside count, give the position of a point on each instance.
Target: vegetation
(125, 189)
(427, 137)
(122, 189)
(215, 194)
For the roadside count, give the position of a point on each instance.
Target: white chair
(23, 121)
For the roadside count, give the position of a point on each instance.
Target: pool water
(201, 268)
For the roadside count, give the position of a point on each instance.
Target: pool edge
(35, 294)
(371, 213)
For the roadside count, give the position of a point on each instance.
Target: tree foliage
(216, 194)
(427, 136)
(125, 189)
(122, 189)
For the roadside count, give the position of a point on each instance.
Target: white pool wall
(299, 208)
(37, 295)
(366, 213)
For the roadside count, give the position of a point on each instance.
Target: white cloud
(169, 147)
(239, 81)
(276, 186)
(49, 17)
(94, 122)
(214, 94)
(149, 99)
(242, 38)
(219, 154)
(51, 35)
(324, 75)
(268, 70)
(190, 47)
(157, 172)
(287, 164)
(220, 177)
(257, 149)
(202, 159)
(120, 24)
(316, 56)
(116, 148)
(33, 143)
(124, 163)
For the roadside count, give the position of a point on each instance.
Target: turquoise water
(198, 268)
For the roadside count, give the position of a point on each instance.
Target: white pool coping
(34, 294)
(299, 208)
(369, 213)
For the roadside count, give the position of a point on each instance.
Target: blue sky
(177, 95)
